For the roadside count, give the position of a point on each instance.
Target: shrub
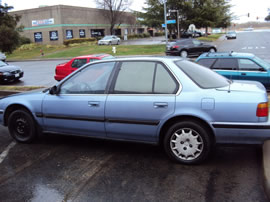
(159, 34)
(78, 40)
(24, 40)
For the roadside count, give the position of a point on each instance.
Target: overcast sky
(256, 8)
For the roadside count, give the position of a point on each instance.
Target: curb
(266, 167)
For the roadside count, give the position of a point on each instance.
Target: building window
(140, 30)
(117, 32)
(97, 32)
(82, 33)
(38, 36)
(53, 35)
(69, 34)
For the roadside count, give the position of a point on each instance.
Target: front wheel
(22, 126)
(187, 142)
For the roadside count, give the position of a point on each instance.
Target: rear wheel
(184, 54)
(212, 50)
(187, 142)
(22, 126)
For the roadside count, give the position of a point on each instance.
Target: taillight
(175, 47)
(262, 109)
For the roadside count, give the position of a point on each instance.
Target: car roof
(101, 55)
(226, 55)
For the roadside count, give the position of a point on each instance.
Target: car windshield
(261, 61)
(2, 63)
(232, 32)
(202, 76)
(107, 37)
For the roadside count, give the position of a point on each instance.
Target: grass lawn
(83, 49)
(19, 88)
(211, 38)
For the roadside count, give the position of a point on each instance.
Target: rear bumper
(59, 77)
(174, 53)
(241, 133)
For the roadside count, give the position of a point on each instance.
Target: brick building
(54, 24)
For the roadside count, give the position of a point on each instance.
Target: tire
(184, 54)
(110, 43)
(187, 142)
(118, 42)
(212, 50)
(22, 126)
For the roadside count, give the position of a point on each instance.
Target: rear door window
(78, 63)
(207, 62)
(226, 64)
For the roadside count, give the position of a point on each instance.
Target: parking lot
(62, 168)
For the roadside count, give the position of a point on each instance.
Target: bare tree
(114, 10)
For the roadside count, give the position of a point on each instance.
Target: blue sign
(163, 25)
(69, 34)
(171, 21)
(38, 36)
(82, 33)
(53, 35)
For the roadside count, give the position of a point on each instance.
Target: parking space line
(4, 154)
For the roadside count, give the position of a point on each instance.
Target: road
(61, 168)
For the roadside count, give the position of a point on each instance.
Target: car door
(78, 107)
(196, 48)
(227, 67)
(142, 96)
(250, 70)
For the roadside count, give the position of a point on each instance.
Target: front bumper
(11, 77)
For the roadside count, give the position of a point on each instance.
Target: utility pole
(165, 19)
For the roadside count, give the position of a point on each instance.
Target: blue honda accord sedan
(170, 101)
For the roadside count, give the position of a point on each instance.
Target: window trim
(176, 91)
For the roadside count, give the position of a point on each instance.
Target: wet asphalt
(64, 168)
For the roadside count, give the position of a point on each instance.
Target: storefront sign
(53, 35)
(82, 33)
(42, 22)
(69, 34)
(38, 36)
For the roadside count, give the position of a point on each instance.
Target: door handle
(160, 104)
(93, 104)
(244, 74)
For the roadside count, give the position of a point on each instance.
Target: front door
(142, 96)
(79, 106)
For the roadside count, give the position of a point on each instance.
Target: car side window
(164, 83)
(206, 62)
(226, 64)
(195, 42)
(144, 78)
(78, 63)
(90, 80)
(248, 65)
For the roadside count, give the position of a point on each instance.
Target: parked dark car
(9, 73)
(189, 47)
(187, 34)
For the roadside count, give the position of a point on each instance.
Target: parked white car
(109, 40)
(2, 56)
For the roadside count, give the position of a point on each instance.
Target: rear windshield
(202, 76)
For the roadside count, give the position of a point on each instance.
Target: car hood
(244, 86)
(9, 68)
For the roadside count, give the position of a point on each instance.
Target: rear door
(142, 95)
(227, 67)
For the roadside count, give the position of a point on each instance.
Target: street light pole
(165, 19)
(178, 31)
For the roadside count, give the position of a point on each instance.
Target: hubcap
(212, 50)
(186, 144)
(21, 126)
(184, 54)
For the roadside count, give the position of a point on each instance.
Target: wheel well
(176, 119)
(11, 109)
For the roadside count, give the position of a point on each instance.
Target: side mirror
(262, 69)
(54, 90)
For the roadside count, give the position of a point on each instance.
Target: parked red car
(64, 69)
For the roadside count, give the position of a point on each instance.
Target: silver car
(2, 56)
(109, 40)
(231, 35)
